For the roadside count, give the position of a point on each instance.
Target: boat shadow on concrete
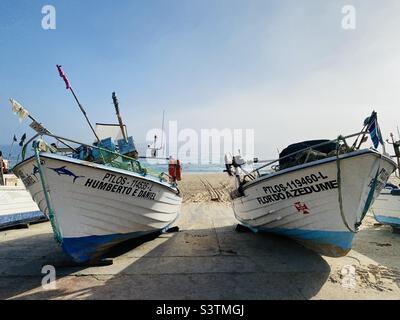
(211, 263)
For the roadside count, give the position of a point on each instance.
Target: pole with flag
(22, 114)
(1, 169)
(23, 138)
(396, 148)
(371, 126)
(12, 145)
(374, 130)
(68, 87)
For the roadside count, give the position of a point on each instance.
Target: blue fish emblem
(63, 171)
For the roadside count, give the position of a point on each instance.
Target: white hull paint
(16, 205)
(97, 206)
(302, 202)
(386, 208)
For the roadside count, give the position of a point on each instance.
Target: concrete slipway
(206, 259)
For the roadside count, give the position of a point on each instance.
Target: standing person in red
(174, 170)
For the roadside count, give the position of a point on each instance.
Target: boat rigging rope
(339, 181)
(370, 197)
(371, 193)
(57, 234)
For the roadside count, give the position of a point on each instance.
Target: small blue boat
(386, 208)
(16, 204)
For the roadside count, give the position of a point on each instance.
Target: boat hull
(96, 207)
(17, 207)
(302, 202)
(386, 208)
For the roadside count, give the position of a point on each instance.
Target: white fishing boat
(318, 194)
(16, 204)
(96, 196)
(92, 206)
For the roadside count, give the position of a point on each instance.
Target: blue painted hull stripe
(84, 249)
(340, 239)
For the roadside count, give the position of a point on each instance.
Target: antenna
(12, 144)
(121, 124)
(162, 130)
(68, 87)
(154, 149)
(396, 147)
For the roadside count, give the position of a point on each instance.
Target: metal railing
(127, 163)
(256, 172)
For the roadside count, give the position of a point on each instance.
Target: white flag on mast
(19, 110)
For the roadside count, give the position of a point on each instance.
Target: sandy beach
(206, 259)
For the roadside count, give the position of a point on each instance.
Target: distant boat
(317, 193)
(386, 208)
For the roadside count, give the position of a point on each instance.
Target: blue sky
(283, 68)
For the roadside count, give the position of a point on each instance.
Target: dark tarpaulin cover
(326, 148)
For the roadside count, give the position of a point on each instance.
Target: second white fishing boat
(318, 194)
